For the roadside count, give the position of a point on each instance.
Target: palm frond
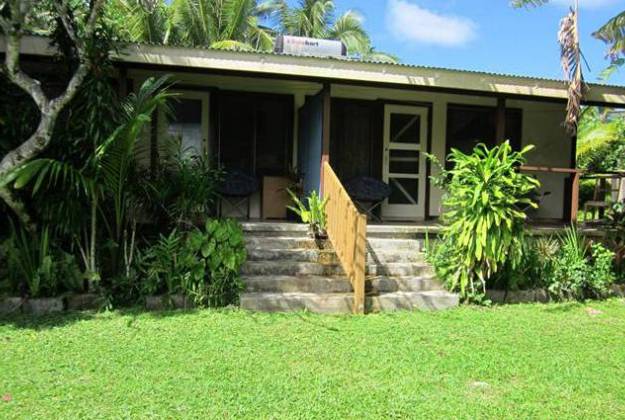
(348, 28)
(379, 56)
(571, 61)
(613, 34)
(528, 3)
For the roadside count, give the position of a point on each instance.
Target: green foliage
(484, 216)
(219, 250)
(534, 268)
(238, 24)
(181, 192)
(99, 183)
(36, 267)
(165, 265)
(568, 266)
(202, 263)
(580, 270)
(601, 140)
(313, 213)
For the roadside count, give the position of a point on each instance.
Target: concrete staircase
(288, 271)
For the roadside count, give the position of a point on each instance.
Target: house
(335, 119)
(268, 113)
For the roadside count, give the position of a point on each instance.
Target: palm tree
(231, 24)
(139, 21)
(612, 33)
(315, 19)
(102, 179)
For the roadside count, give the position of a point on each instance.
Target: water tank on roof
(299, 45)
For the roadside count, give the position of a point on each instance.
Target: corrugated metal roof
(365, 61)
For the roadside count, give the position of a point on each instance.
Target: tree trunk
(49, 108)
(18, 208)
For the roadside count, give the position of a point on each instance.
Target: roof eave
(345, 71)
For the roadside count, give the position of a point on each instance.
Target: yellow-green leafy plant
(314, 214)
(485, 201)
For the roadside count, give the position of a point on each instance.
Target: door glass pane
(186, 126)
(405, 128)
(272, 119)
(236, 132)
(404, 161)
(404, 191)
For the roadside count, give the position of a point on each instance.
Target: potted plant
(314, 214)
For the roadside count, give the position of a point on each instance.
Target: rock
(182, 302)
(82, 302)
(164, 302)
(10, 305)
(155, 303)
(518, 296)
(618, 290)
(43, 306)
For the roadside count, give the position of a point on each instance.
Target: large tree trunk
(18, 208)
(50, 109)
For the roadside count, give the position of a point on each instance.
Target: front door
(405, 134)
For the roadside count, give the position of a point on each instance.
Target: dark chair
(368, 194)
(236, 189)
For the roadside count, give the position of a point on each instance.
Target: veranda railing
(347, 230)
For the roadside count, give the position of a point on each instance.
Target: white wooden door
(405, 139)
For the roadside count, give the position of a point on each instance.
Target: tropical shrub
(313, 212)
(166, 265)
(580, 269)
(219, 251)
(96, 187)
(182, 191)
(485, 200)
(534, 267)
(36, 267)
(203, 264)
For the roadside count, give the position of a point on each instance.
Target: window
(186, 126)
(255, 132)
(469, 125)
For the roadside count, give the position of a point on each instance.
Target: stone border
(45, 306)
(535, 295)
(164, 302)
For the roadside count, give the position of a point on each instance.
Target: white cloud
(410, 22)
(587, 4)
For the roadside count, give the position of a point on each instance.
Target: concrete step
(386, 284)
(395, 256)
(429, 300)
(295, 284)
(410, 231)
(341, 303)
(325, 303)
(330, 257)
(388, 244)
(284, 242)
(338, 284)
(298, 268)
(283, 229)
(302, 254)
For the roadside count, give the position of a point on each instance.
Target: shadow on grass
(62, 319)
(133, 313)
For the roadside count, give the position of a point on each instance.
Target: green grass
(527, 361)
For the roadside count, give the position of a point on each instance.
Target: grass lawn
(529, 361)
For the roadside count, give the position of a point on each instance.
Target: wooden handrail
(347, 230)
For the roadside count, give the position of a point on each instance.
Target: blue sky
(486, 35)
